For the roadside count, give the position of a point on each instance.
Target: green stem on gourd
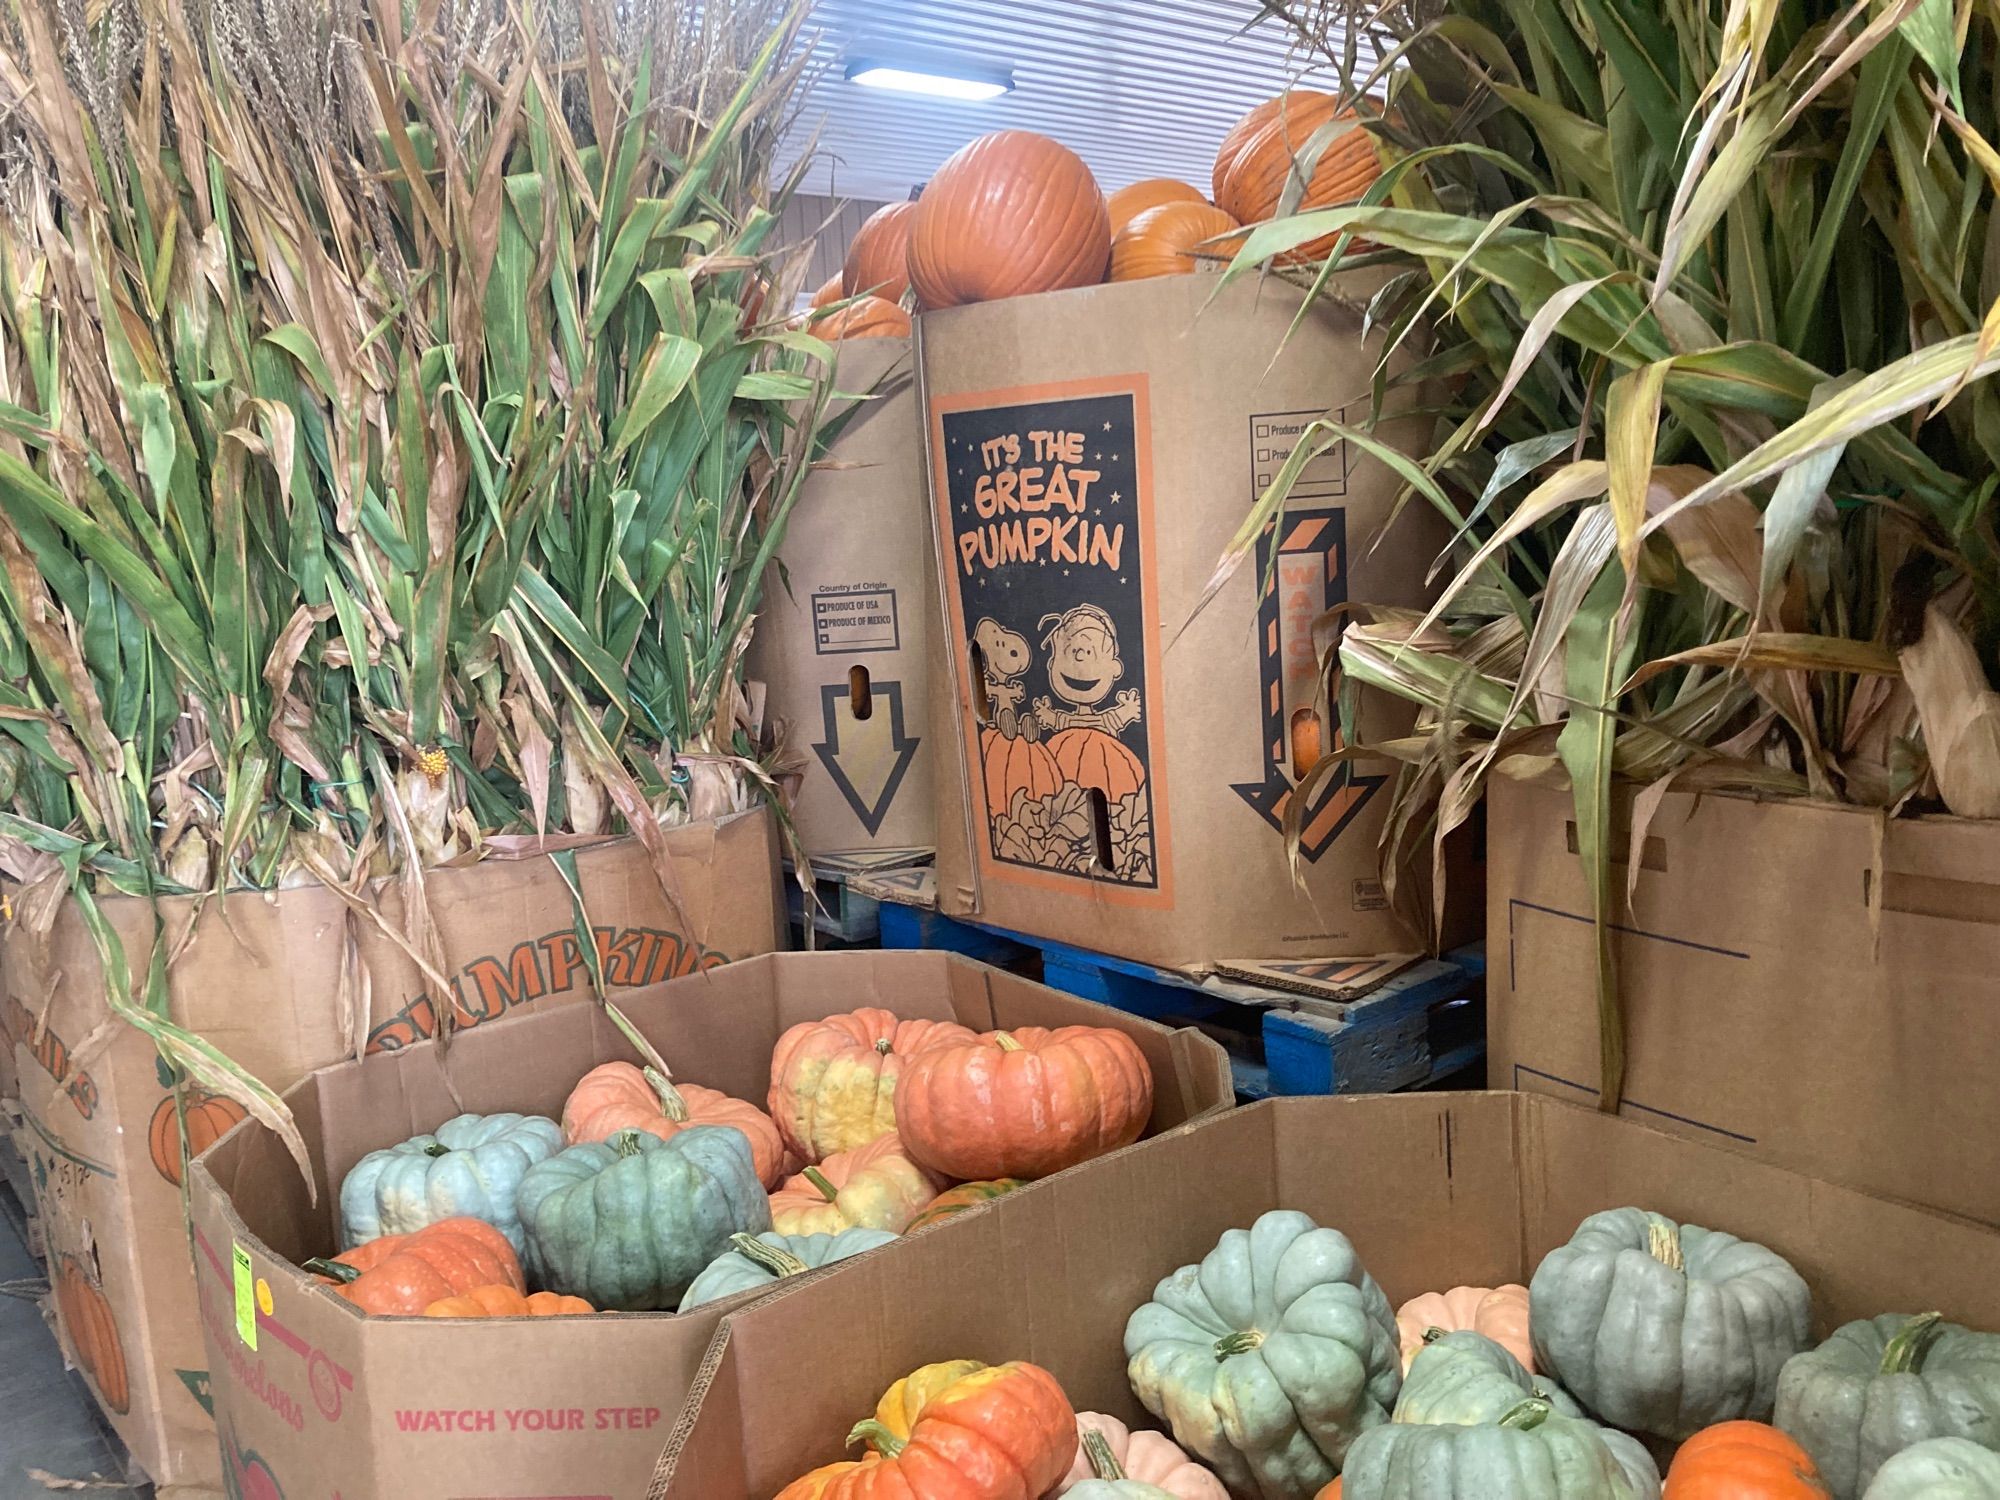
(626, 1143)
(1005, 1042)
(1663, 1243)
(1432, 1335)
(434, 1149)
(1907, 1351)
(773, 1258)
(826, 1189)
(1241, 1342)
(880, 1438)
(672, 1105)
(1103, 1462)
(1527, 1415)
(334, 1270)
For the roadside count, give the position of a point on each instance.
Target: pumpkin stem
(1527, 1415)
(672, 1105)
(1005, 1042)
(876, 1436)
(826, 1189)
(435, 1149)
(1103, 1462)
(333, 1270)
(1241, 1342)
(1907, 1351)
(1663, 1243)
(1432, 1335)
(626, 1143)
(776, 1259)
(884, 1046)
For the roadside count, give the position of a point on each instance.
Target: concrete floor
(48, 1421)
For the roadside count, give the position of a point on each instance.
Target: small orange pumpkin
(1012, 764)
(833, 1081)
(1024, 1103)
(1498, 1312)
(955, 1201)
(1130, 201)
(92, 1331)
(617, 1096)
(1252, 169)
(875, 1186)
(869, 318)
(1331, 1492)
(1162, 241)
(1010, 214)
(878, 257)
(1743, 1461)
(500, 1301)
(403, 1274)
(1092, 758)
(209, 1118)
(829, 293)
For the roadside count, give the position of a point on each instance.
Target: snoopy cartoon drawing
(1084, 665)
(1004, 656)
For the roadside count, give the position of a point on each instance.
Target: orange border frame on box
(1136, 386)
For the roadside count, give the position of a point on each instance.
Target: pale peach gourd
(1498, 1312)
(875, 1186)
(1010, 214)
(617, 1096)
(833, 1081)
(1147, 1457)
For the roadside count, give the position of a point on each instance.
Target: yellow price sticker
(246, 1297)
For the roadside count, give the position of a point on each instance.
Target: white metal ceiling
(1138, 88)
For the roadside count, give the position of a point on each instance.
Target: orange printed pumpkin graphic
(1015, 765)
(209, 1118)
(92, 1333)
(1092, 758)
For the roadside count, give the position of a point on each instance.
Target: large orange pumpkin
(878, 258)
(869, 318)
(834, 1081)
(93, 1333)
(1743, 1461)
(1092, 758)
(405, 1273)
(1001, 1430)
(1161, 241)
(875, 1186)
(1010, 214)
(1129, 202)
(209, 1118)
(617, 1096)
(1252, 168)
(1011, 765)
(1024, 1103)
(1498, 1312)
(507, 1302)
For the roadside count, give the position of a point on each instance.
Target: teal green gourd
(471, 1165)
(1530, 1453)
(1663, 1328)
(627, 1224)
(752, 1262)
(1269, 1357)
(1881, 1385)
(1465, 1379)
(1945, 1468)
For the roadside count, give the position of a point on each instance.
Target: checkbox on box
(1263, 479)
(1263, 429)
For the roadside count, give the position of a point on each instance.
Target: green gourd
(470, 1166)
(752, 1262)
(1466, 1379)
(627, 1224)
(1946, 1468)
(1530, 1453)
(1663, 1328)
(1269, 1357)
(1884, 1384)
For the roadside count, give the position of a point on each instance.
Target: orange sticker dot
(263, 1296)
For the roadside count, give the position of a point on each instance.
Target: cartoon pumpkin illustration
(209, 1118)
(1012, 765)
(1092, 758)
(92, 1333)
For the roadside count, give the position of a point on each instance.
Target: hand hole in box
(858, 694)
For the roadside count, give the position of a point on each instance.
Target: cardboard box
(1435, 1190)
(284, 983)
(842, 651)
(333, 1403)
(1812, 983)
(1114, 781)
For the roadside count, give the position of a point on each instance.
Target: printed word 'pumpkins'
(209, 1118)
(878, 257)
(1128, 203)
(1010, 214)
(1162, 241)
(617, 1096)
(833, 1082)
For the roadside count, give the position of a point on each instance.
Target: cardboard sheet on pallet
(327, 1402)
(1435, 1190)
(284, 983)
(1807, 982)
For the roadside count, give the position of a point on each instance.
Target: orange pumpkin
(875, 1186)
(829, 293)
(1161, 241)
(1743, 1461)
(1498, 1312)
(209, 1118)
(1024, 1103)
(617, 1096)
(507, 1302)
(878, 258)
(92, 1332)
(1129, 202)
(1002, 1430)
(1010, 214)
(833, 1082)
(1092, 758)
(954, 1201)
(1331, 1492)
(1252, 169)
(870, 318)
(1011, 765)
(405, 1273)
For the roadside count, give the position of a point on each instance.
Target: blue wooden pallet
(1417, 1028)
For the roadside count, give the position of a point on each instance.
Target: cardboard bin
(284, 983)
(329, 1402)
(1814, 984)
(1435, 1190)
(1113, 780)
(841, 651)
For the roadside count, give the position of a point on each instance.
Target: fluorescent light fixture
(971, 82)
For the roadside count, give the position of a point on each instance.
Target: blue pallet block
(914, 927)
(1423, 1025)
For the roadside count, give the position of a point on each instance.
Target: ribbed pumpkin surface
(1159, 241)
(1252, 168)
(878, 258)
(1010, 214)
(1129, 202)
(870, 318)
(829, 292)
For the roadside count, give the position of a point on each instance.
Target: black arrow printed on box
(866, 758)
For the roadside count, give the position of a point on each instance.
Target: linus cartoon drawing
(1004, 655)
(1084, 666)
